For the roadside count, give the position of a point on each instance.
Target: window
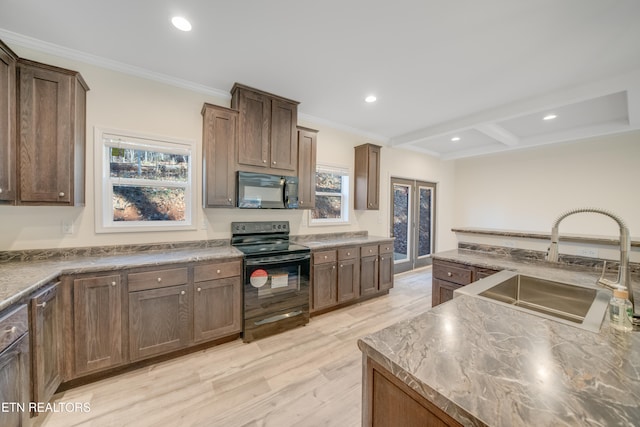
(332, 196)
(143, 183)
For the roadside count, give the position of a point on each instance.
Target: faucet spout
(623, 280)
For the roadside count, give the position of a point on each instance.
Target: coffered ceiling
(486, 72)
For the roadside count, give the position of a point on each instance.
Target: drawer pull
(11, 331)
(43, 305)
(159, 279)
(449, 274)
(218, 271)
(199, 290)
(333, 267)
(348, 253)
(381, 258)
(113, 283)
(182, 292)
(61, 194)
(325, 257)
(370, 250)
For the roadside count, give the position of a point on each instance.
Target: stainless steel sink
(574, 305)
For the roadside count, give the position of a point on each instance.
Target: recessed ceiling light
(370, 99)
(181, 23)
(455, 139)
(549, 117)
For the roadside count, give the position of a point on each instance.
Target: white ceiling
(486, 71)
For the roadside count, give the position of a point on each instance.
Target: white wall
(527, 190)
(120, 101)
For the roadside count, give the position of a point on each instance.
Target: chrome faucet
(623, 280)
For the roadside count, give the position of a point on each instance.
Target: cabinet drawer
(202, 273)
(386, 248)
(370, 250)
(452, 273)
(13, 325)
(324, 256)
(481, 272)
(157, 279)
(347, 253)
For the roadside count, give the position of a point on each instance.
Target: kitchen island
(482, 363)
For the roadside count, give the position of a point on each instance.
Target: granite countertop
(18, 279)
(486, 364)
(332, 242)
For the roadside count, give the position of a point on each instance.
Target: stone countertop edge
(324, 243)
(19, 279)
(485, 364)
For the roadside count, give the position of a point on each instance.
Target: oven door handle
(278, 260)
(278, 317)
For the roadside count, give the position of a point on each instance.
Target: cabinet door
(368, 275)
(7, 124)
(14, 382)
(367, 172)
(97, 319)
(348, 280)
(307, 141)
(284, 138)
(324, 285)
(159, 321)
(45, 142)
(217, 309)
(386, 271)
(46, 343)
(373, 179)
(253, 143)
(219, 140)
(441, 291)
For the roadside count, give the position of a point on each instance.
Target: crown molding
(76, 55)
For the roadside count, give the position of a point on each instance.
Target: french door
(412, 223)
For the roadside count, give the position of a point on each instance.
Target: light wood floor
(310, 376)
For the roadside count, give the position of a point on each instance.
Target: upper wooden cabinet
(8, 61)
(219, 141)
(267, 140)
(307, 141)
(367, 171)
(51, 135)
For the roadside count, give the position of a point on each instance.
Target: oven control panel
(257, 227)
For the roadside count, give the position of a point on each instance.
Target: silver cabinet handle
(264, 161)
(43, 305)
(325, 257)
(274, 162)
(199, 289)
(159, 279)
(229, 200)
(381, 258)
(61, 194)
(218, 271)
(113, 283)
(11, 331)
(449, 274)
(0, 190)
(182, 292)
(341, 265)
(301, 202)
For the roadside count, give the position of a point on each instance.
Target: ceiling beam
(498, 133)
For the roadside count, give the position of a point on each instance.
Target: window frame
(104, 183)
(345, 218)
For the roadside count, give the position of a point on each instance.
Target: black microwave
(264, 191)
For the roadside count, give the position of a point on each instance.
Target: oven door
(276, 294)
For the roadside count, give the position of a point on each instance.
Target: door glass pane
(401, 213)
(424, 222)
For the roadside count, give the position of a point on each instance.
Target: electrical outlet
(588, 252)
(67, 226)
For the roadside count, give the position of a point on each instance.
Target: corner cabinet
(219, 141)
(307, 147)
(51, 135)
(267, 140)
(449, 276)
(8, 109)
(367, 172)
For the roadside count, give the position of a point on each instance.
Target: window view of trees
(331, 188)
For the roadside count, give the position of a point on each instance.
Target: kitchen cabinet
(369, 270)
(14, 367)
(348, 274)
(219, 142)
(367, 173)
(51, 135)
(307, 147)
(324, 279)
(159, 312)
(390, 402)
(267, 140)
(8, 135)
(217, 300)
(449, 276)
(385, 281)
(97, 323)
(47, 349)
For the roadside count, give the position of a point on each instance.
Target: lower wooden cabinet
(386, 267)
(449, 276)
(47, 350)
(348, 274)
(97, 323)
(388, 402)
(14, 367)
(369, 270)
(324, 279)
(159, 321)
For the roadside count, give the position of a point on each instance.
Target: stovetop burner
(264, 238)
